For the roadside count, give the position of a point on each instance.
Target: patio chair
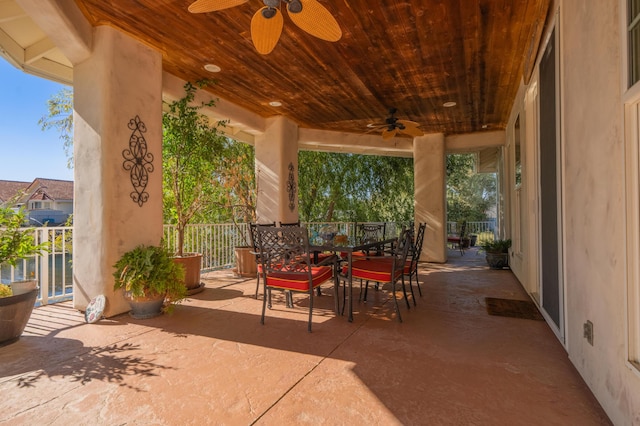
(387, 269)
(253, 234)
(283, 224)
(456, 240)
(411, 264)
(321, 257)
(286, 265)
(365, 232)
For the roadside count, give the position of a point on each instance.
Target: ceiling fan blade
(203, 6)
(388, 134)
(265, 32)
(408, 123)
(316, 20)
(374, 128)
(410, 128)
(412, 131)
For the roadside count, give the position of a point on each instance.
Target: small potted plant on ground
(497, 253)
(16, 299)
(151, 280)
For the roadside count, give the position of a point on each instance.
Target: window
(38, 205)
(516, 139)
(632, 177)
(633, 40)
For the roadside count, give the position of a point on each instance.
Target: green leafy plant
(5, 291)
(495, 246)
(190, 156)
(16, 242)
(150, 270)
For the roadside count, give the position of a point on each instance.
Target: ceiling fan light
(294, 6)
(269, 12)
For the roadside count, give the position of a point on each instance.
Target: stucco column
(276, 153)
(429, 166)
(117, 120)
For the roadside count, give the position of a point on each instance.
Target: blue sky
(26, 152)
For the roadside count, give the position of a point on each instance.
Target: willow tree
(351, 187)
(470, 195)
(60, 117)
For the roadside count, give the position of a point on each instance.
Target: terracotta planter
(14, 315)
(192, 263)
(21, 287)
(245, 261)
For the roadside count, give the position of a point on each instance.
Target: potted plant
(497, 252)
(190, 152)
(152, 282)
(18, 298)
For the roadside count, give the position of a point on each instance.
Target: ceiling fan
(267, 22)
(392, 126)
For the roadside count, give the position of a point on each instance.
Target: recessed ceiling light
(449, 104)
(212, 68)
(275, 103)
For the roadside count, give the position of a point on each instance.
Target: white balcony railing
(53, 269)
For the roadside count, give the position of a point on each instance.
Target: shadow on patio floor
(212, 361)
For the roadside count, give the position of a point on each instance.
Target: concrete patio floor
(212, 362)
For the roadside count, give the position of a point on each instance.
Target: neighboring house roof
(50, 189)
(39, 189)
(9, 188)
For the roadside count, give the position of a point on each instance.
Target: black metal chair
(457, 240)
(411, 264)
(286, 265)
(386, 269)
(284, 224)
(253, 234)
(366, 232)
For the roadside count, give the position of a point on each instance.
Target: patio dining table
(348, 247)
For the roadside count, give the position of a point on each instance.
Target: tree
(470, 195)
(190, 151)
(60, 118)
(236, 175)
(351, 187)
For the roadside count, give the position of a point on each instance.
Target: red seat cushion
(344, 254)
(299, 281)
(389, 260)
(378, 270)
(323, 256)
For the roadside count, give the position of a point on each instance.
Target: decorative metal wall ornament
(137, 161)
(291, 188)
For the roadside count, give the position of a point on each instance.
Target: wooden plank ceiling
(413, 55)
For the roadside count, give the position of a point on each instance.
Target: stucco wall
(593, 113)
(593, 201)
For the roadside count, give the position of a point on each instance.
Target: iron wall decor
(137, 161)
(291, 188)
